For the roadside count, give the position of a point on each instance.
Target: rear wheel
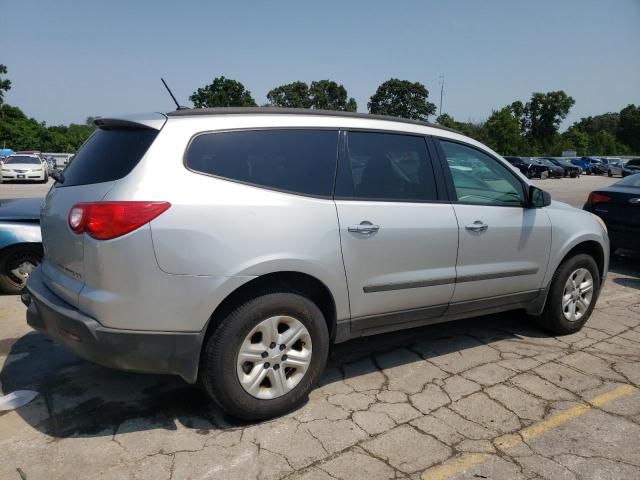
(572, 295)
(16, 263)
(610, 173)
(266, 355)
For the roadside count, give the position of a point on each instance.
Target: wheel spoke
(572, 311)
(250, 355)
(297, 359)
(256, 377)
(566, 300)
(292, 335)
(278, 382)
(586, 287)
(583, 303)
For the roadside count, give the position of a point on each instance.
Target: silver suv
(234, 246)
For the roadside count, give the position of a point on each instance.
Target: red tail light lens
(595, 197)
(107, 220)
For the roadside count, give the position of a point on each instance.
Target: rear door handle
(477, 226)
(365, 228)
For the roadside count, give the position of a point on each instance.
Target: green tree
(447, 121)
(607, 122)
(573, 139)
(541, 117)
(222, 92)
(502, 130)
(293, 95)
(328, 95)
(401, 98)
(5, 83)
(628, 131)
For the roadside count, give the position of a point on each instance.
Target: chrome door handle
(477, 226)
(635, 201)
(365, 227)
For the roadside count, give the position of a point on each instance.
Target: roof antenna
(179, 107)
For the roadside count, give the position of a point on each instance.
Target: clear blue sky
(68, 60)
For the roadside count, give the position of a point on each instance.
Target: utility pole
(441, 77)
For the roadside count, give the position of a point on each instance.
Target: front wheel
(265, 356)
(572, 295)
(16, 263)
(610, 173)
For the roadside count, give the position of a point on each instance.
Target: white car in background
(23, 168)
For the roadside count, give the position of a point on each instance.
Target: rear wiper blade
(57, 176)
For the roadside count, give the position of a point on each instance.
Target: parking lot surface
(491, 397)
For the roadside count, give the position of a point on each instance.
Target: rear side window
(299, 161)
(386, 167)
(108, 155)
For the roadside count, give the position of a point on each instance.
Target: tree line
(520, 128)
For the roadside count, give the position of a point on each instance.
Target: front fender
(12, 233)
(570, 228)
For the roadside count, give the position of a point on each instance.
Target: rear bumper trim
(175, 353)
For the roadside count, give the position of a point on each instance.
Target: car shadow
(626, 263)
(81, 399)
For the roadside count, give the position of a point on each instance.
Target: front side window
(386, 167)
(294, 160)
(481, 179)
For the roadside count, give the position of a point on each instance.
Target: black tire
(552, 318)
(610, 173)
(218, 373)
(10, 258)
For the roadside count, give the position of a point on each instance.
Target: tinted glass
(23, 159)
(384, 166)
(300, 161)
(108, 155)
(481, 179)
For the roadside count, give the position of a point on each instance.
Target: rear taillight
(106, 220)
(595, 197)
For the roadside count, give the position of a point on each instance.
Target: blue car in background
(591, 165)
(20, 242)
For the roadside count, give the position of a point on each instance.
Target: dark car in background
(590, 165)
(631, 167)
(554, 170)
(619, 206)
(570, 170)
(528, 167)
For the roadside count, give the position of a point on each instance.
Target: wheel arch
(303, 283)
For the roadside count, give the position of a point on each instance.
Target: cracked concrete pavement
(490, 397)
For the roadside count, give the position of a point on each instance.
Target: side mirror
(538, 198)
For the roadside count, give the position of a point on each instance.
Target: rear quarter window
(108, 155)
(300, 161)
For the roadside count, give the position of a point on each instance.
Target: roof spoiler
(154, 121)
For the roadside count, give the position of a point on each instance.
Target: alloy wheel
(274, 357)
(577, 294)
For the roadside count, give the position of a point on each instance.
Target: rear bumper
(139, 351)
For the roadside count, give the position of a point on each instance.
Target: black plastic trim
(385, 287)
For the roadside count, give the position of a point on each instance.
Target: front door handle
(365, 228)
(477, 226)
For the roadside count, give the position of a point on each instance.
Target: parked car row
(548, 167)
(544, 167)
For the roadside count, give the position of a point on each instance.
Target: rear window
(108, 155)
(295, 160)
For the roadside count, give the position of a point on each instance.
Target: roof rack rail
(187, 112)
